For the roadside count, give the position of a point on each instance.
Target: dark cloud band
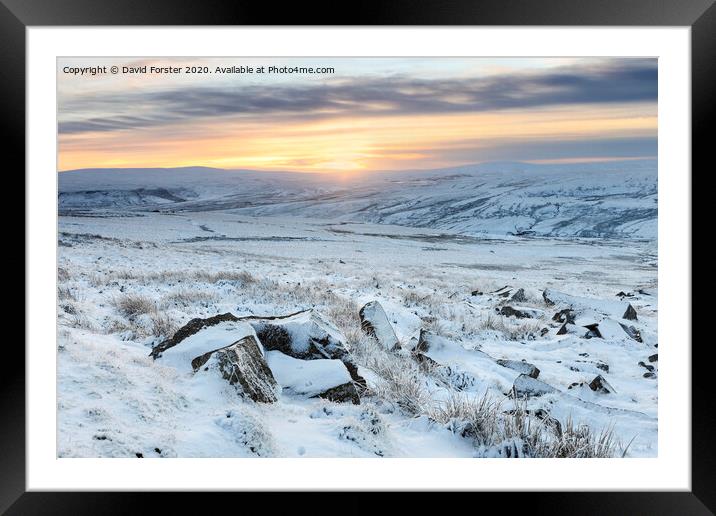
(609, 81)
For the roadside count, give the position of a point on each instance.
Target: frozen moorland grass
(123, 293)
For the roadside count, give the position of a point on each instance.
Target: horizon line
(538, 162)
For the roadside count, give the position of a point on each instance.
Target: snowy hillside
(222, 335)
(614, 200)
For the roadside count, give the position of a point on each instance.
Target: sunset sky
(371, 114)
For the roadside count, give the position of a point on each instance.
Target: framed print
(416, 250)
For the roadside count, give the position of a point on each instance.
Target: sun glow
(343, 144)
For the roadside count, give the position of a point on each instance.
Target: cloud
(525, 150)
(605, 81)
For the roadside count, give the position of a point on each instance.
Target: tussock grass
(65, 294)
(133, 305)
(511, 330)
(162, 325)
(185, 297)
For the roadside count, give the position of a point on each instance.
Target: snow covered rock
(211, 334)
(305, 335)
(564, 316)
(502, 292)
(375, 323)
(599, 384)
(620, 309)
(519, 296)
(324, 378)
(568, 329)
(522, 367)
(191, 328)
(519, 312)
(242, 364)
(632, 332)
(526, 386)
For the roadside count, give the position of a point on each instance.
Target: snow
(616, 200)
(209, 339)
(330, 256)
(307, 377)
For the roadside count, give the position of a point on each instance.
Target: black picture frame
(700, 15)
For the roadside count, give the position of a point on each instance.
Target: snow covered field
(135, 266)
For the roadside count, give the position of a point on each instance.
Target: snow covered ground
(615, 200)
(129, 277)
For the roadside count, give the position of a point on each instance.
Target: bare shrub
(162, 325)
(133, 305)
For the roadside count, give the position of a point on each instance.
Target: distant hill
(612, 199)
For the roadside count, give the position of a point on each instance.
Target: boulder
(629, 313)
(426, 363)
(648, 367)
(602, 365)
(519, 296)
(621, 309)
(592, 332)
(520, 366)
(649, 375)
(476, 293)
(374, 322)
(654, 357)
(564, 316)
(632, 332)
(306, 335)
(344, 393)
(567, 328)
(242, 364)
(621, 294)
(518, 312)
(324, 378)
(526, 386)
(599, 384)
(502, 292)
(423, 342)
(192, 327)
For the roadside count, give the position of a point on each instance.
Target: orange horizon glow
(349, 144)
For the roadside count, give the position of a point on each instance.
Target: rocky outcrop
(242, 364)
(374, 322)
(223, 342)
